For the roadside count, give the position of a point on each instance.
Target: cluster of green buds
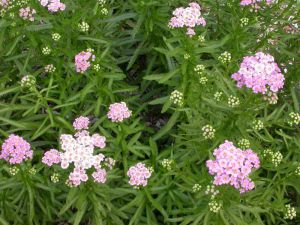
(214, 206)
(225, 57)
(49, 68)
(56, 36)
(196, 188)
(46, 50)
(274, 157)
(244, 21)
(83, 26)
(233, 101)
(177, 98)
(218, 96)
(208, 132)
(28, 82)
(167, 164)
(294, 119)
(13, 171)
(55, 178)
(257, 125)
(211, 190)
(290, 212)
(244, 143)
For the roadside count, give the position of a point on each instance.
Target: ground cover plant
(149, 112)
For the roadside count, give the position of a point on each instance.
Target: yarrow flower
(259, 73)
(255, 3)
(15, 150)
(81, 123)
(188, 17)
(27, 13)
(79, 150)
(83, 61)
(139, 175)
(232, 166)
(53, 5)
(51, 157)
(118, 112)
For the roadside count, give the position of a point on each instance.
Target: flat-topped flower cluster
(233, 166)
(83, 61)
(79, 151)
(188, 17)
(259, 73)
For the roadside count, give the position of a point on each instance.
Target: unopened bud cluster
(225, 57)
(218, 96)
(49, 68)
(244, 143)
(257, 125)
(214, 206)
(167, 164)
(233, 101)
(274, 157)
(196, 188)
(290, 212)
(294, 119)
(208, 132)
(177, 98)
(13, 171)
(28, 81)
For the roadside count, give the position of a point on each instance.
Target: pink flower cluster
(53, 5)
(51, 157)
(233, 166)
(188, 17)
(79, 150)
(255, 2)
(82, 61)
(139, 175)
(81, 123)
(260, 73)
(118, 112)
(27, 13)
(4, 3)
(15, 150)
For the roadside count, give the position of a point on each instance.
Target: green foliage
(141, 62)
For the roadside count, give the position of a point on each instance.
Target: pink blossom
(259, 73)
(53, 5)
(118, 112)
(188, 17)
(81, 123)
(99, 176)
(98, 141)
(233, 166)
(82, 61)
(51, 157)
(27, 13)
(255, 2)
(15, 150)
(139, 175)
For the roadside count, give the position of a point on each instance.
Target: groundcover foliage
(149, 112)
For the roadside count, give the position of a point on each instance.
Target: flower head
(15, 150)
(139, 175)
(118, 112)
(259, 73)
(233, 166)
(83, 61)
(81, 123)
(51, 157)
(188, 17)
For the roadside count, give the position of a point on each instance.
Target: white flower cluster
(177, 98)
(233, 101)
(208, 132)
